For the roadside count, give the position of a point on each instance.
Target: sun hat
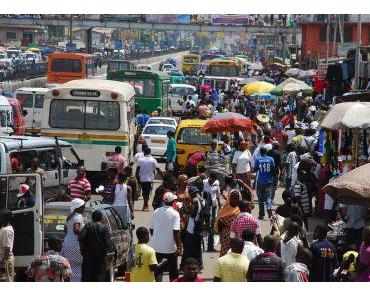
(76, 203)
(263, 118)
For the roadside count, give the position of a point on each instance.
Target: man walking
(145, 174)
(171, 152)
(50, 267)
(265, 168)
(193, 239)
(95, 245)
(165, 230)
(245, 220)
(79, 187)
(233, 266)
(6, 247)
(117, 160)
(267, 267)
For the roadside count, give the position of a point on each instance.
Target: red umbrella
(229, 122)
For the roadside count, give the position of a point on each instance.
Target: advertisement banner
(183, 18)
(230, 20)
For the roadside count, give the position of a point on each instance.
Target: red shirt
(243, 221)
(183, 280)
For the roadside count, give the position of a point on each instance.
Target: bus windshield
(66, 65)
(84, 114)
(118, 65)
(222, 70)
(143, 87)
(191, 60)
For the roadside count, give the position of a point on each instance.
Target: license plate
(157, 141)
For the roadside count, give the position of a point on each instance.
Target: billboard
(236, 19)
(168, 18)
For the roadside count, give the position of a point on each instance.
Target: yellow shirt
(232, 268)
(144, 256)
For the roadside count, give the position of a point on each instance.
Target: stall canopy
(229, 122)
(351, 188)
(348, 114)
(292, 86)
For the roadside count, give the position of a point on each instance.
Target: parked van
(177, 93)
(32, 100)
(6, 117)
(56, 157)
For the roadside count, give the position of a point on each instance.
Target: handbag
(109, 197)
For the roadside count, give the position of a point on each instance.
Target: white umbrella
(349, 114)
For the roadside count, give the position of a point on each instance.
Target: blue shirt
(171, 151)
(142, 119)
(265, 168)
(324, 261)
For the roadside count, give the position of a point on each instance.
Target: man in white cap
(26, 199)
(165, 230)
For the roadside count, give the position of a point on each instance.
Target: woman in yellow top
(225, 218)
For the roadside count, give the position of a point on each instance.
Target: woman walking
(225, 218)
(71, 247)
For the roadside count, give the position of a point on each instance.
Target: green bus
(151, 88)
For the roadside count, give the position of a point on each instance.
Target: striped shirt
(79, 188)
(301, 194)
(266, 267)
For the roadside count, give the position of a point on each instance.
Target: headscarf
(76, 203)
(227, 210)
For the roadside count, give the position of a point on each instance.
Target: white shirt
(120, 195)
(289, 250)
(311, 143)
(137, 157)
(213, 190)
(191, 221)
(147, 166)
(6, 241)
(233, 104)
(290, 134)
(243, 161)
(295, 174)
(250, 250)
(163, 222)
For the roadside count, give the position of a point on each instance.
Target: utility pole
(335, 35)
(358, 54)
(327, 39)
(274, 45)
(70, 29)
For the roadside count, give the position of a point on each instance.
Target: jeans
(272, 196)
(288, 183)
(211, 235)
(171, 264)
(263, 194)
(192, 248)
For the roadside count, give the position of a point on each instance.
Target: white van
(56, 157)
(6, 118)
(177, 92)
(32, 101)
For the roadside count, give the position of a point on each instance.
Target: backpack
(203, 225)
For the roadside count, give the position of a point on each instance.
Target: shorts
(146, 188)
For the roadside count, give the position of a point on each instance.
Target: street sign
(321, 71)
(71, 47)
(118, 44)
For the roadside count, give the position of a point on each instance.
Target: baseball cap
(23, 189)
(169, 197)
(193, 190)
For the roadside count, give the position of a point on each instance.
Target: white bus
(95, 116)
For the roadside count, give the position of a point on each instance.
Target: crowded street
(184, 148)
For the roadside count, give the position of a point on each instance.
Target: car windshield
(158, 130)
(168, 66)
(162, 121)
(183, 91)
(54, 219)
(190, 60)
(193, 135)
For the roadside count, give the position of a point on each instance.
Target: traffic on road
(217, 163)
